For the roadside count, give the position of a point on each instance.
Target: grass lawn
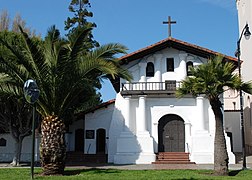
(97, 174)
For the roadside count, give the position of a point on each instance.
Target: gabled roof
(91, 110)
(176, 44)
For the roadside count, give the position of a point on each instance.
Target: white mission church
(146, 123)
(146, 120)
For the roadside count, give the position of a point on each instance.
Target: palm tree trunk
(52, 147)
(220, 148)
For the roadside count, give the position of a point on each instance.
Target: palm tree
(65, 72)
(209, 80)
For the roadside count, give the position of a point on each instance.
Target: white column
(142, 130)
(127, 114)
(183, 72)
(141, 123)
(138, 148)
(188, 137)
(200, 106)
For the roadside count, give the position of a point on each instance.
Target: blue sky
(211, 24)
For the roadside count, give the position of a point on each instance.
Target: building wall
(100, 119)
(232, 125)
(7, 152)
(244, 8)
(198, 134)
(138, 67)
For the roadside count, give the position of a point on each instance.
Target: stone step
(173, 162)
(172, 158)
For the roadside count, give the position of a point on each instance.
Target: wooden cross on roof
(169, 22)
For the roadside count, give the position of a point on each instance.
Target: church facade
(146, 118)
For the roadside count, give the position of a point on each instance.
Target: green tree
(81, 13)
(15, 113)
(80, 10)
(209, 80)
(64, 70)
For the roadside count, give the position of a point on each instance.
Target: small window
(150, 69)
(2, 142)
(189, 65)
(90, 134)
(170, 64)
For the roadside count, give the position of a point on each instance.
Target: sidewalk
(148, 166)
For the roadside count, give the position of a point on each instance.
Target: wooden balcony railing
(150, 87)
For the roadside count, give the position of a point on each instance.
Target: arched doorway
(171, 134)
(100, 141)
(79, 140)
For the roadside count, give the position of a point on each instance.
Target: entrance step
(172, 158)
(79, 158)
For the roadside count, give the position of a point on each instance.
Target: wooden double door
(171, 134)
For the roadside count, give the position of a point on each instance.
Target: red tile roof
(104, 104)
(174, 43)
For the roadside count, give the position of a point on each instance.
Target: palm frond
(211, 78)
(66, 71)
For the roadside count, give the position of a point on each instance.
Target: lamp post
(31, 93)
(246, 33)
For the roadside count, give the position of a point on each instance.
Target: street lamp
(246, 33)
(31, 93)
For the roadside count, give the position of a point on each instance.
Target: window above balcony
(150, 69)
(170, 64)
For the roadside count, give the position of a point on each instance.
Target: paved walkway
(150, 166)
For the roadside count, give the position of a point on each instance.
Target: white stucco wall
(116, 127)
(100, 119)
(198, 135)
(232, 124)
(244, 8)
(7, 152)
(159, 59)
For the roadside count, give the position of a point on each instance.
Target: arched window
(189, 65)
(150, 69)
(170, 64)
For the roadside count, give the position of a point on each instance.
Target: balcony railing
(150, 87)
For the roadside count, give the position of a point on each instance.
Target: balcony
(166, 88)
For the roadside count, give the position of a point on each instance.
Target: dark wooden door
(101, 141)
(171, 134)
(79, 140)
